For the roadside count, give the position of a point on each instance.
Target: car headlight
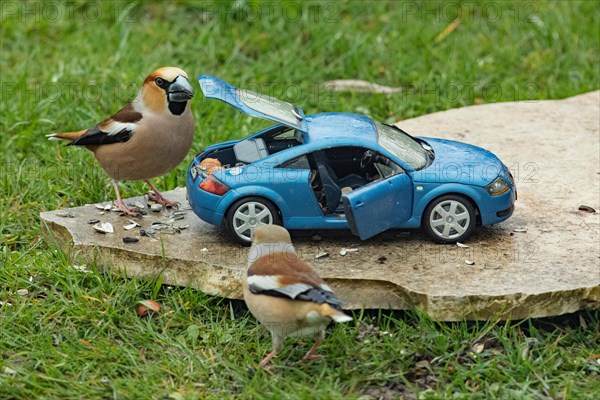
(497, 187)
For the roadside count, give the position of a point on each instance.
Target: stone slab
(553, 149)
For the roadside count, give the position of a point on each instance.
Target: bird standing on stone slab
(147, 138)
(285, 294)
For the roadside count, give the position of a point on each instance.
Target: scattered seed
(182, 227)
(422, 364)
(147, 232)
(131, 225)
(469, 262)
(23, 292)
(81, 268)
(93, 221)
(345, 251)
(156, 207)
(204, 250)
(129, 239)
(491, 266)
(160, 226)
(9, 371)
(322, 254)
(478, 348)
(104, 227)
(464, 246)
(587, 209)
(65, 214)
(104, 207)
(139, 205)
(520, 229)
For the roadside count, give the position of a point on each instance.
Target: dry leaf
(448, 30)
(359, 86)
(145, 307)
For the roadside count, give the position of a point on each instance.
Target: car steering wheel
(366, 158)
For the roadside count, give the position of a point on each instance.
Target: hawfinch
(285, 294)
(148, 137)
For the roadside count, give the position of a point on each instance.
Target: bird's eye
(159, 82)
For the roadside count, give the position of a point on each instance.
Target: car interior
(340, 170)
(334, 171)
(253, 149)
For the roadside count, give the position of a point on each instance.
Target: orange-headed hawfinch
(285, 294)
(148, 137)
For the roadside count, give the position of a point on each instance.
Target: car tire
(449, 219)
(246, 214)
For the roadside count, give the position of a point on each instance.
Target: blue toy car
(340, 171)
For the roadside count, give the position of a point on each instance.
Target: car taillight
(214, 186)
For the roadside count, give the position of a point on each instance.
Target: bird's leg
(119, 202)
(266, 360)
(158, 197)
(277, 347)
(312, 353)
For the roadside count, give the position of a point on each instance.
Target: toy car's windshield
(402, 145)
(279, 109)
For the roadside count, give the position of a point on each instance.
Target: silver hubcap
(248, 216)
(449, 219)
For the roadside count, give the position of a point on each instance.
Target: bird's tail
(65, 135)
(336, 315)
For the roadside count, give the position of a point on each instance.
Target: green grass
(65, 66)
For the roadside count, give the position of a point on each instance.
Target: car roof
(339, 127)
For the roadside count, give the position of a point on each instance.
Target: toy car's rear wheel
(449, 219)
(248, 213)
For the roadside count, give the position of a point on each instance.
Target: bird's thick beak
(180, 90)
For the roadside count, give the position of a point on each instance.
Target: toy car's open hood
(252, 103)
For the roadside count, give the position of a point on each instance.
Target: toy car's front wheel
(449, 219)
(248, 213)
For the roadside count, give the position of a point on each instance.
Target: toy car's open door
(379, 206)
(252, 103)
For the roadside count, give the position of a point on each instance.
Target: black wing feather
(321, 296)
(316, 295)
(95, 136)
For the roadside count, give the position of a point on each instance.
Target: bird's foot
(310, 357)
(265, 361)
(124, 209)
(312, 353)
(158, 198)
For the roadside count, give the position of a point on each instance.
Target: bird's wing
(285, 275)
(118, 128)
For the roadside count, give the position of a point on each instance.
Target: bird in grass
(285, 294)
(147, 138)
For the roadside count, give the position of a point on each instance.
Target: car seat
(332, 192)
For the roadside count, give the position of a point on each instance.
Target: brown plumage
(148, 137)
(285, 294)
